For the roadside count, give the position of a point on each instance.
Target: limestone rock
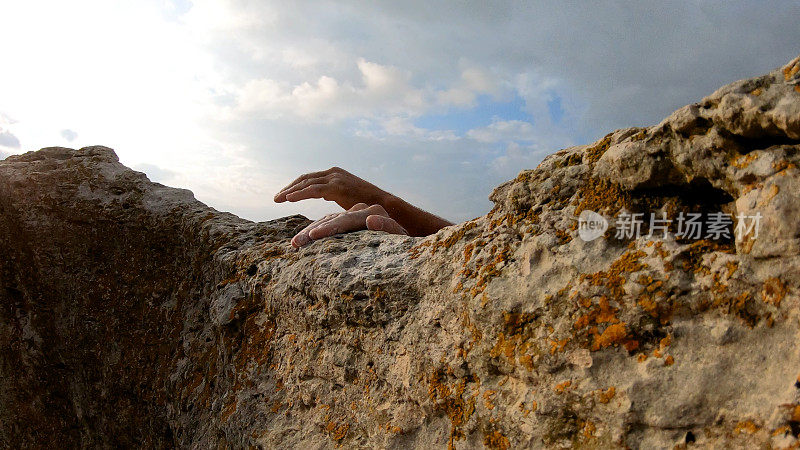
(133, 315)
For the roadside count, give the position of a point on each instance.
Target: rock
(133, 315)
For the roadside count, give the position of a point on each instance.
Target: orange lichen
(455, 406)
(796, 414)
(379, 294)
(613, 335)
(489, 271)
(742, 161)
(488, 399)
(790, 70)
(503, 347)
(602, 313)
(393, 429)
(496, 441)
(782, 166)
(693, 255)
(746, 426)
(589, 429)
(642, 357)
(774, 291)
(606, 396)
(598, 194)
(732, 266)
(612, 279)
(560, 387)
(468, 251)
(527, 411)
(337, 431)
(563, 236)
(756, 92)
(631, 345)
(558, 346)
(785, 429)
(454, 237)
(669, 360)
(639, 136)
(594, 153)
(526, 361)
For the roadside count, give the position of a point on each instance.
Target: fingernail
(302, 240)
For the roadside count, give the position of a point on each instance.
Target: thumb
(377, 222)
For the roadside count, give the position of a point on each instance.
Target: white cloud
(504, 131)
(517, 158)
(404, 128)
(382, 90)
(474, 81)
(68, 134)
(8, 140)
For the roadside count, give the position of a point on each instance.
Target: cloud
(516, 158)
(379, 91)
(8, 140)
(155, 173)
(504, 131)
(69, 135)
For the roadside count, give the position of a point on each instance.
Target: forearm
(416, 221)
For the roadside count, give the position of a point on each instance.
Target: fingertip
(375, 223)
(300, 240)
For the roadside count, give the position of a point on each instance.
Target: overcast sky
(437, 102)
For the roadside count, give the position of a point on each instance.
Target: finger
(309, 175)
(281, 196)
(382, 223)
(358, 207)
(313, 191)
(306, 176)
(302, 238)
(344, 223)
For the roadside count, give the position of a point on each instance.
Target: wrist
(389, 202)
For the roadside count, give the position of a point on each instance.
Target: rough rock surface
(133, 315)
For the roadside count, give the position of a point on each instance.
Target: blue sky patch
(486, 111)
(555, 108)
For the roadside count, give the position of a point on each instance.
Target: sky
(437, 102)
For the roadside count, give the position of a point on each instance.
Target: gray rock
(133, 315)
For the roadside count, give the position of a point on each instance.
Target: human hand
(334, 184)
(359, 217)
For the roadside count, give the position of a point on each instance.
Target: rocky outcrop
(133, 315)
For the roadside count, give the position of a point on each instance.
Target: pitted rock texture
(133, 315)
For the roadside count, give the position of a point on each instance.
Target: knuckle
(377, 209)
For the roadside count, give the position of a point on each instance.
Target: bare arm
(361, 199)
